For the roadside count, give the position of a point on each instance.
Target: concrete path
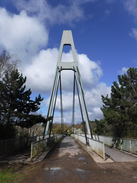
(119, 156)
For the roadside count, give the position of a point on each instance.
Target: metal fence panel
(12, 145)
(133, 146)
(129, 145)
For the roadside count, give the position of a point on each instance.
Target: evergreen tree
(101, 127)
(120, 110)
(16, 106)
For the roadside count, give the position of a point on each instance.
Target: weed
(6, 176)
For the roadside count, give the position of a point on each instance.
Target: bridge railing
(12, 145)
(42, 145)
(124, 144)
(95, 145)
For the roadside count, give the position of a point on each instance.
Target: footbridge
(75, 158)
(61, 66)
(96, 143)
(71, 160)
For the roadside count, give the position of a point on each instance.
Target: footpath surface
(69, 162)
(119, 156)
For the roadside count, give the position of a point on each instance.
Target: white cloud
(123, 70)
(134, 33)
(58, 14)
(40, 74)
(131, 7)
(67, 100)
(90, 71)
(93, 101)
(21, 34)
(26, 34)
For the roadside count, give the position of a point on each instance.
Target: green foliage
(93, 126)
(59, 129)
(120, 109)
(6, 176)
(101, 127)
(16, 107)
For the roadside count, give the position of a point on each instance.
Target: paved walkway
(119, 156)
(68, 162)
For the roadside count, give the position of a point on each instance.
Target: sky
(105, 38)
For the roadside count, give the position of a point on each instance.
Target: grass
(6, 176)
(32, 167)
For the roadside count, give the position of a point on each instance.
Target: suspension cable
(81, 112)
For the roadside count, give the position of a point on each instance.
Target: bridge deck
(70, 163)
(119, 156)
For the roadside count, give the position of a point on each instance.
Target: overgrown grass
(6, 176)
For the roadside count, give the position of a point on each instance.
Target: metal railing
(12, 145)
(124, 144)
(42, 145)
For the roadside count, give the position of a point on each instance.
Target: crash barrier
(42, 145)
(124, 144)
(12, 145)
(95, 145)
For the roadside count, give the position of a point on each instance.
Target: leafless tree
(7, 62)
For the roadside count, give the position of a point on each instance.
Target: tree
(120, 110)
(101, 127)
(7, 62)
(16, 106)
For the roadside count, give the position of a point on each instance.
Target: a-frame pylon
(67, 39)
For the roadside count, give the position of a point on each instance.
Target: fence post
(130, 145)
(31, 149)
(121, 144)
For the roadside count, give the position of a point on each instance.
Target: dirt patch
(10, 173)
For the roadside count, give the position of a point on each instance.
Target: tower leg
(73, 110)
(84, 107)
(81, 113)
(51, 102)
(61, 104)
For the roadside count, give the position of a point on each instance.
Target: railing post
(130, 145)
(121, 144)
(31, 149)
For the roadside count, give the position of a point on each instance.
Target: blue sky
(105, 37)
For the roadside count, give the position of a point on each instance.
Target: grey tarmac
(68, 162)
(119, 156)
